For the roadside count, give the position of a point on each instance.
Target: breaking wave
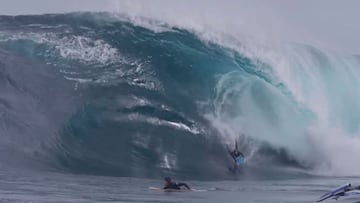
(98, 93)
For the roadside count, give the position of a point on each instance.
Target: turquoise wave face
(145, 103)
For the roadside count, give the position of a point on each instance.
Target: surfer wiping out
(238, 157)
(236, 153)
(168, 184)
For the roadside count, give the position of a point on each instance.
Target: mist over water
(330, 25)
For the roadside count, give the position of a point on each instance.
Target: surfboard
(240, 161)
(334, 192)
(174, 190)
(167, 190)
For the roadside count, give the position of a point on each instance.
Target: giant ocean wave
(97, 93)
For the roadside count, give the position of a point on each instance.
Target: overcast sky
(333, 24)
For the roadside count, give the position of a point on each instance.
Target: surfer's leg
(183, 184)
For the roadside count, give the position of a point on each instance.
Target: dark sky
(333, 24)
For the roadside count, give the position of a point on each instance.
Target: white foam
(168, 161)
(321, 124)
(83, 49)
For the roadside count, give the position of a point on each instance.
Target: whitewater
(108, 103)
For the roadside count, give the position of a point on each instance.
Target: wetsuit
(235, 154)
(176, 186)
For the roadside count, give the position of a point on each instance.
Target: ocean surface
(20, 186)
(17, 186)
(98, 107)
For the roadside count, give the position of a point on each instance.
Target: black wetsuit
(176, 186)
(235, 154)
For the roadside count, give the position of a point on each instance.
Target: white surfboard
(174, 190)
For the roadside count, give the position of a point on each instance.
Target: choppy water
(20, 186)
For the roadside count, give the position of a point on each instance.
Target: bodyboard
(240, 160)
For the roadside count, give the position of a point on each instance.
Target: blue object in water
(240, 160)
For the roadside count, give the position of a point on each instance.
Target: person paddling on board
(168, 184)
